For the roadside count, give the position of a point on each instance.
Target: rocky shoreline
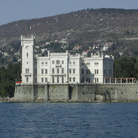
(13, 100)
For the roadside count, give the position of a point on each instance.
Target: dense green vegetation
(124, 67)
(8, 77)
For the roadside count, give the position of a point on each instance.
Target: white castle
(63, 67)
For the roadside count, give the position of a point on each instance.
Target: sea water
(69, 120)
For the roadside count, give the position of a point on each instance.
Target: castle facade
(63, 67)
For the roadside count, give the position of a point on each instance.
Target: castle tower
(27, 44)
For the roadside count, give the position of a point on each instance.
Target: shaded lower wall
(41, 93)
(76, 93)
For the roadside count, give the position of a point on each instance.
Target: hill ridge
(84, 27)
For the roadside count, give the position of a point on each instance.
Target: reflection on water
(76, 120)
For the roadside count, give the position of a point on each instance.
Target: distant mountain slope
(83, 27)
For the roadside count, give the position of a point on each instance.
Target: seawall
(76, 93)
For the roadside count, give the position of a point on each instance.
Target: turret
(27, 44)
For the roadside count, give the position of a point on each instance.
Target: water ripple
(65, 120)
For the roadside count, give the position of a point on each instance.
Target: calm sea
(69, 120)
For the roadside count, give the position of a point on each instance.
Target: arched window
(57, 62)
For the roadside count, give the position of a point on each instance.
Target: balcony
(58, 74)
(27, 74)
(58, 65)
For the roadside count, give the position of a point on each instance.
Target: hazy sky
(14, 10)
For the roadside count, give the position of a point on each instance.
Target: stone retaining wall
(76, 93)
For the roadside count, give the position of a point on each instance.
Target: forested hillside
(85, 27)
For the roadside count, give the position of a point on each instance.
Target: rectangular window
(88, 80)
(87, 71)
(27, 79)
(53, 80)
(52, 70)
(96, 63)
(45, 71)
(42, 63)
(62, 61)
(62, 79)
(73, 79)
(82, 71)
(96, 71)
(69, 70)
(62, 70)
(42, 79)
(96, 80)
(73, 70)
(70, 79)
(53, 62)
(57, 70)
(87, 64)
(57, 79)
(26, 70)
(45, 79)
(57, 62)
(42, 71)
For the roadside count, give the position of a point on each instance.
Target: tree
(7, 79)
(126, 67)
